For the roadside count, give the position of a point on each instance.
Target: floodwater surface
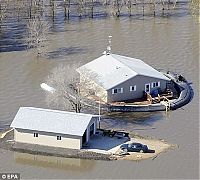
(169, 43)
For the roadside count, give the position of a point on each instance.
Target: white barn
(121, 78)
(53, 127)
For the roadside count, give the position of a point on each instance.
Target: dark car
(134, 147)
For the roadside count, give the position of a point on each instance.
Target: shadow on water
(62, 52)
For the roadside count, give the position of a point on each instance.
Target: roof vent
(117, 67)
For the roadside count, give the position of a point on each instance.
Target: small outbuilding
(121, 78)
(53, 128)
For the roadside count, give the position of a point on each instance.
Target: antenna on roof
(109, 45)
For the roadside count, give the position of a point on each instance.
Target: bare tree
(36, 8)
(143, 5)
(38, 30)
(174, 3)
(116, 7)
(152, 5)
(105, 4)
(3, 8)
(91, 8)
(71, 93)
(80, 7)
(53, 8)
(20, 6)
(195, 8)
(163, 6)
(128, 5)
(66, 4)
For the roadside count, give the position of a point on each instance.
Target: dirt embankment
(160, 146)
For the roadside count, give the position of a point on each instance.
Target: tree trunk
(92, 9)
(30, 9)
(143, 7)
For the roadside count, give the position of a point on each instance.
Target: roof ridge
(124, 63)
(129, 58)
(58, 111)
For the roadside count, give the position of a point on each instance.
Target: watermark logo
(9, 176)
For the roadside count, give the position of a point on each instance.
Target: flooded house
(53, 128)
(120, 78)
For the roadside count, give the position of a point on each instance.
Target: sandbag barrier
(186, 95)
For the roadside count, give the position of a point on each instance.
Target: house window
(35, 134)
(58, 137)
(117, 90)
(133, 88)
(155, 84)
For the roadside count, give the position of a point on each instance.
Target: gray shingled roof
(54, 121)
(114, 69)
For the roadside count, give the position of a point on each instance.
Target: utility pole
(99, 112)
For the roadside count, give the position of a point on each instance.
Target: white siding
(67, 141)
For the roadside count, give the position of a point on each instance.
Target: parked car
(134, 147)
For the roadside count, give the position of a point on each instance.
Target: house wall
(140, 82)
(48, 139)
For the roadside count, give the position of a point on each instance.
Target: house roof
(54, 121)
(114, 69)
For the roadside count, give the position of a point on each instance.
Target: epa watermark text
(9, 176)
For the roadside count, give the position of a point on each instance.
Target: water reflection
(132, 119)
(77, 165)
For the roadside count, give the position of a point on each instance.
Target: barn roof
(54, 121)
(113, 69)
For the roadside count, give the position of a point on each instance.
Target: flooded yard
(170, 43)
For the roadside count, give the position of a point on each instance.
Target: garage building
(53, 128)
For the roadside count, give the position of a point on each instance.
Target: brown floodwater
(170, 43)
